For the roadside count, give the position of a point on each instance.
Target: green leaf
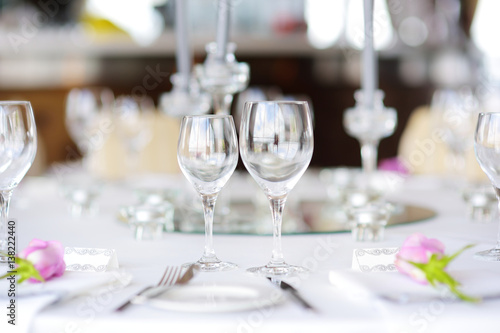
(435, 273)
(25, 270)
(448, 259)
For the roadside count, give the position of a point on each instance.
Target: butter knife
(155, 291)
(294, 293)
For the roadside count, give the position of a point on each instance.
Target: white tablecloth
(41, 213)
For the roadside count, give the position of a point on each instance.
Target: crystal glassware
(84, 106)
(17, 150)
(481, 202)
(368, 221)
(81, 191)
(487, 148)
(276, 146)
(222, 79)
(207, 153)
(134, 120)
(369, 126)
(149, 221)
(181, 102)
(454, 113)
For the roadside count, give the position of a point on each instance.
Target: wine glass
(17, 152)
(454, 113)
(207, 154)
(487, 148)
(134, 120)
(83, 108)
(276, 145)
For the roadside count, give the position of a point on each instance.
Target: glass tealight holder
(368, 222)
(157, 196)
(481, 203)
(149, 221)
(360, 196)
(81, 193)
(337, 180)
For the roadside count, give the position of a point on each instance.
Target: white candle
(223, 17)
(368, 83)
(183, 53)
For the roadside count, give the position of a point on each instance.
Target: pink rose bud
(419, 249)
(393, 164)
(47, 257)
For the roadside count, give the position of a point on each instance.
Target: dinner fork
(169, 277)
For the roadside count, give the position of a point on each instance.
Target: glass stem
(497, 247)
(369, 152)
(208, 211)
(132, 160)
(4, 217)
(277, 206)
(222, 103)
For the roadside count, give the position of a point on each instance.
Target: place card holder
(90, 259)
(374, 260)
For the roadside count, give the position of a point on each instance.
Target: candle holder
(222, 78)
(185, 98)
(369, 126)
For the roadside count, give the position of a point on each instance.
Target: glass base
(277, 271)
(488, 255)
(4, 259)
(212, 266)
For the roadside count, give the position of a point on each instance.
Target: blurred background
(308, 49)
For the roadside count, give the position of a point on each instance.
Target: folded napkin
(31, 298)
(402, 289)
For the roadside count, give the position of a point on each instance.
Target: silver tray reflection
(306, 217)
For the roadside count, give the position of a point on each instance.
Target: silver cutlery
(169, 277)
(155, 291)
(293, 292)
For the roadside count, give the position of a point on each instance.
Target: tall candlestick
(223, 17)
(368, 84)
(183, 53)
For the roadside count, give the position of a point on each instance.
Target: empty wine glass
(207, 154)
(276, 145)
(83, 108)
(487, 148)
(454, 113)
(134, 121)
(17, 152)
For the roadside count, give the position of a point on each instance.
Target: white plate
(217, 297)
(70, 285)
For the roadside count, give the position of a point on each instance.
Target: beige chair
(159, 156)
(423, 151)
(39, 165)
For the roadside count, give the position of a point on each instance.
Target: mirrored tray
(305, 217)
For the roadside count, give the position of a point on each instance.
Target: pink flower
(46, 257)
(393, 164)
(419, 249)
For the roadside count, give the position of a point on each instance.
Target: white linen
(45, 216)
(474, 283)
(31, 298)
